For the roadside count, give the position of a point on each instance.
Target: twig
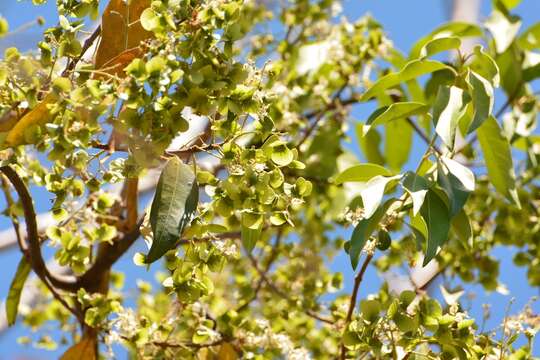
(87, 44)
(285, 296)
(354, 296)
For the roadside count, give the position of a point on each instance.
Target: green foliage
(251, 104)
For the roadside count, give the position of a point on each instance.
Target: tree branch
(354, 296)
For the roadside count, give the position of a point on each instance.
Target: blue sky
(405, 21)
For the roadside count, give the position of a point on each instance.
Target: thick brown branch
(34, 246)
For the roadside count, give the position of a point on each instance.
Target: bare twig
(354, 296)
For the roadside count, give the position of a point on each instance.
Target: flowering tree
(244, 109)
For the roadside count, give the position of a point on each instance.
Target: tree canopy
(237, 119)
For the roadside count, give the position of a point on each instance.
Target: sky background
(405, 21)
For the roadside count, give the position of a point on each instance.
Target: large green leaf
(437, 217)
(485, 66)
(370, 145)
(411, 71)
(448, 108)
(398, 143)
(454, 29)
(395, 111)
(498, 159)
(461, 172)
(441, 44)
(461, 227)
(174, 204)
(482, 97)
(511, 71)
(361, 173)
(15, 290)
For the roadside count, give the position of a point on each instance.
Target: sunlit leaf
(373, 193)
(447, 110)
(411, 71)
(361, 173)
(504, 29)
(395, 111)
(452, 29)
(83, 350)
(398, 143)
(482, 97)
(461, 172)
(440, 44)
(498, 159)
(417, 187)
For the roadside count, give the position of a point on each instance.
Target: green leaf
(395, 111)
(530, 38)
(361, 173)
(437, 217)
(398, 143)
(370, 310)
(482, 97)
(362, 232)
(457, 194)
(498, 159)
(370, 144)
(503, 28)
(452, 29)
(485, 66)
(373, 193)
(411, 71)
(250, 236)
(461, 227)
(174, 204)
(417, 187)
(448, 108)
(15, 290)
(281, 155)
(511, 71)
(510, 4)
(461, 172)
(439, 45)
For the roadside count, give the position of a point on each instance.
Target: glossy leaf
(482, 97)
(447, 110)
(498, 159)
(417, 187)
(373, 193)
(530, 38)
(395, 111)
(15, 290)
(504, 29)
(485, 66)
(174, 204)
(439, 45)
(411, 71)
(452, 29)
(456, 193)
(361, 173)
(437, 217)
(461, 172)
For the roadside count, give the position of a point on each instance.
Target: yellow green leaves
(417, 187)
(395, 111)
(440, 44)
(361, 173)
(83, 350)
(4, 26)
(498, 159)
(449, 107)
(174, 204)
(121, 30)
(373, 192)
(15, 290)
(410, 71)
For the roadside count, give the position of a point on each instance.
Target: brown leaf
(37, 116)
(227, 352)
(84, 350)
(117, 64)
(121, 30)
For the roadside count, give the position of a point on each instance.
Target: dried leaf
(84, 350)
